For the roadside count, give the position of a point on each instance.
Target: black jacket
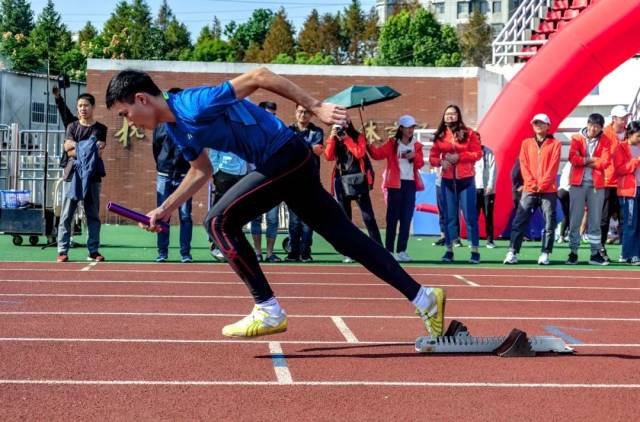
(168, 158)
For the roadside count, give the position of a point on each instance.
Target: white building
(457, 12)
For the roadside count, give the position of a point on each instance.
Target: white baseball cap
(406, 121)
(619, 111)
(541, 117)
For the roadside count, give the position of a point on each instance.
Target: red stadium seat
(560, 5)
(546, 27)
(538, 37)
(561, 25)
(553, 15)
(570, 14)
(579, 4)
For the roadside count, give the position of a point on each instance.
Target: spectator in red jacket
(352, 175)
(402, 179)
(589, 155)
(539, 162)
(456, 149)
(626, 160)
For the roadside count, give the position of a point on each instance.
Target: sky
(195, 14)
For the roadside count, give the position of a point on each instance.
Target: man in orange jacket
(590, 155)
(616, 131)
(539, 162)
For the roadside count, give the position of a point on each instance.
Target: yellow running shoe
(434, 318)
(257, 323)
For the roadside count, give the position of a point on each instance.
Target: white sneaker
(347, 260)
(403, 257)
(543, 259)
(511, 258)
(218, 255)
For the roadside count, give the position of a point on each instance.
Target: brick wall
(131, 172)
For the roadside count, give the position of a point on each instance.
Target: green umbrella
(362, 95)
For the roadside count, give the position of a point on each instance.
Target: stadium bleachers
(557, 16)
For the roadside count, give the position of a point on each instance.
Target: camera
(340, 132)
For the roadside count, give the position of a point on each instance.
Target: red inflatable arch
(555, 80)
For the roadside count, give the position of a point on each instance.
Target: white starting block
(458, 340)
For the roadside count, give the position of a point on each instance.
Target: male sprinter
(221, 118)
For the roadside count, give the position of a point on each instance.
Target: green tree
(16, 17)
(279, 39)
(371, 34)
(475, 40)
(50, 38)
(308, 40)
(329, 36)
(415, 40)
(352, 30)
(253, 31)
(87, 33)
(212, 50)
(128, 33)
(17, 54)
(173, 37)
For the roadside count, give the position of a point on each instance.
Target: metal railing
(634, 108)
(516, 32)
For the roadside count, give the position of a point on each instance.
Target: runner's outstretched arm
(247, 83)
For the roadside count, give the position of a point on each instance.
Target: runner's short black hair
(596, 119)
(88, 97)
(633, 127)
(128, 83)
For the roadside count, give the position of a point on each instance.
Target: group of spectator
(601, 180)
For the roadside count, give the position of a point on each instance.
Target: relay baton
(135, 216)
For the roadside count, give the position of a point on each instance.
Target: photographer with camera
(352, 176)
(404, 160)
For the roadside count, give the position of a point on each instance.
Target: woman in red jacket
(402, 179)
(626, 160)
(456, 149)
(351, 177)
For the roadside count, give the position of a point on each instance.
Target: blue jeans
(401, 204)
(165, 186)
(91, 204)
(300, 236)
(460, 194)
(272, 223)
(631, 231)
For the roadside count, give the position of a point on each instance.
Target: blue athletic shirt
(212, 117)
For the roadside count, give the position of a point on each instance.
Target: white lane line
(344, 329)
(231, 341)
(103, 268)
(280, 363)
(88, 267)
(308, 283)
(326, 384)
(213, 315)
(345, 298)
(465, 280)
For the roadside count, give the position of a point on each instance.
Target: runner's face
(634, 139)
(303, 116)
(451, 115)
(540, 128)
(593, 130)
(140, 113)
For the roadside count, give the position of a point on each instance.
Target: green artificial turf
(131, 244)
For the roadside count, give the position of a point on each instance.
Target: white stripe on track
(324, 384)
(347, 298)
(465, 280)
(344, 330)
(313, 272)
(213, 315)
(247, 341)
(313, 283)
(89, 267)
(283, 374)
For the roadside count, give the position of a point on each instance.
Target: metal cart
(29, 162)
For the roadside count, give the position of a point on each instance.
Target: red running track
(143, 342)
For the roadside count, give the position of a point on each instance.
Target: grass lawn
(126, 243)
